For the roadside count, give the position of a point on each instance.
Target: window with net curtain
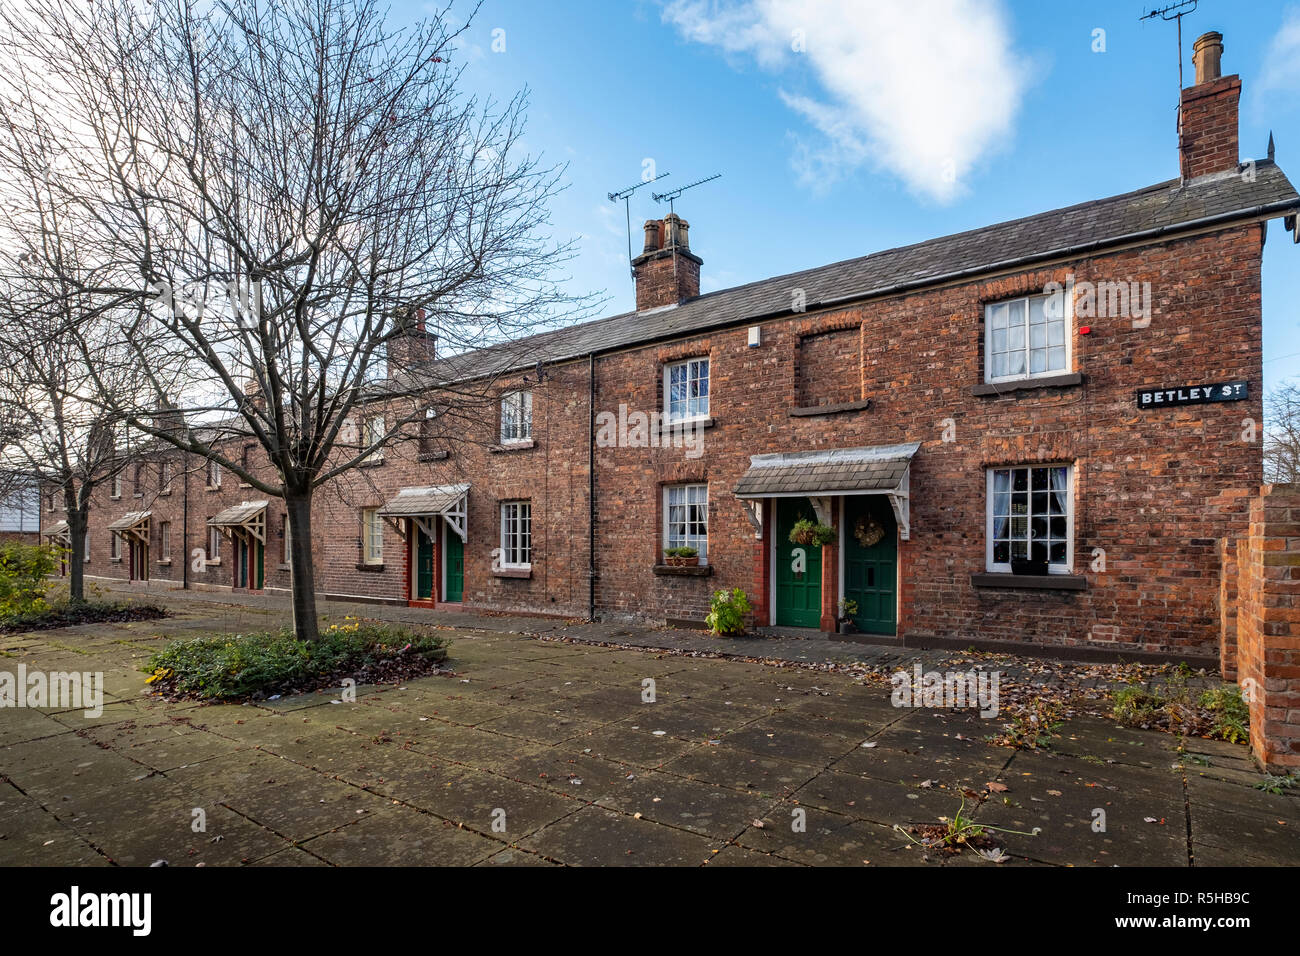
(686, 518)
(1031, 516)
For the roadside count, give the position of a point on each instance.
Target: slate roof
(130, 521)
(1146, 213)
(58, 530)
(418, 502)
(845, 470)
(236, 515)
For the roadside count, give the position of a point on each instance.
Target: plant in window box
(682, 557)
(812, 534)
(848, 611)
(727, 613)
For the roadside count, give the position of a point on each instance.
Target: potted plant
(682, 557)
(848, 611)
(811, 534)
(727, 612)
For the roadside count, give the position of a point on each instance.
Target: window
(165, 482)
(85, 552)
(245, 462)
(165, 541)
(516, 534)
(516, 416)
(1031, 515)
(1023, 338)
(427, 425)
(117, 485)
(686, 518)
(374, 432)
(115, 546)
(284, 525)
(686, 390)
(372, 529)
(137, 482)
(214, 474)
(50, 506)
(214, 545)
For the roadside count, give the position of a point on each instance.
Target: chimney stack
(667, 272)
(411, 344)
(1208, 117)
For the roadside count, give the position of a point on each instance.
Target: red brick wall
(1268, 625)
(828, 368)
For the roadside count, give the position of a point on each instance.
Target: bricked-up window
(516, 534)
(1024, 338)
(686, 390)
(165, 541)
(1031, 516)
(374, 431)
(372, 536)
(686, 518)
(117, 485)
(214, 474)
(516, 416)
(829, 368)
(214, 544)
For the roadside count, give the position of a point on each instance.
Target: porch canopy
(821, 475)
(133, 525)
(247, 516)
(422, 505)
(59, 531)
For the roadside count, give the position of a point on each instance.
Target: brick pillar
(761, 597)
(1228, 574)
(831, 576)
(1268, 625)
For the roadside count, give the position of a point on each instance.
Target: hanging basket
(868, 531)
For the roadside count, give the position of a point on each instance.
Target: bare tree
(1282, 434)
(294, 189)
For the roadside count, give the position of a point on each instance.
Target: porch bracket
(754, 512)
(822, 508)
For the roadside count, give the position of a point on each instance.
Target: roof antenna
(674, 193)
(624, 194)
(1176, 11)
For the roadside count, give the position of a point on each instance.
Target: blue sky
(896, 121)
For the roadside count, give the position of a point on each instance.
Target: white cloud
(923, 89)
(1281, 70)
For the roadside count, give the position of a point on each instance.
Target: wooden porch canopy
(133, 525)
(59, 532)
(422, 505)
(822, 475)
(247, 516)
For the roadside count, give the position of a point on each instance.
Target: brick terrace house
(1034, 432)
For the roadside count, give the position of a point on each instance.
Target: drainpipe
(185, 533)
(591, 486)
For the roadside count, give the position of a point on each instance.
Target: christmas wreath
(868, 531)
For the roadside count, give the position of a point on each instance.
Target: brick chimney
(667, 272)
(1209, 114)
(412, 344)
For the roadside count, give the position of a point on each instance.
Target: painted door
(241, 561)
(798, 568)
(139, 556)
(871, 571)
(453, 556)
(423, 565)
(259, 556)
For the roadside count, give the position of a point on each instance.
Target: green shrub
(1231, 714)
(241, 665)
(727, 612)
(812, 534)
(24, 577)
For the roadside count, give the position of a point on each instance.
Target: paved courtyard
(539, 752)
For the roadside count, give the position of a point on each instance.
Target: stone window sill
(1065, 380)
(282, 567)
(684, 425)
(164, 561)
(372, 568)
(1042, 582)
(213, 563)
(370, 463)
(114, 560)
(683, 570)
(211, 487)
(514, 446)
(513, 572)
(837, 409)
(432, 455)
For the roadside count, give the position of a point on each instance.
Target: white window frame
(372, 536)
(521, 401)
(117, 486)
(164, 541)
(697, 541)
(114, 546)
(1066, 322)
(214, 545)
(373, 429)
(692, 368)
(214, 473)
(1064, 567)
(288, 542)
(85, 554)
(166, 478)
(521, 513)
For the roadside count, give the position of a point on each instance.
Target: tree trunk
(302, 573)
(77, 520)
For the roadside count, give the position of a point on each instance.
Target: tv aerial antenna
(625, 195)
(1176, 12)
(675, 193)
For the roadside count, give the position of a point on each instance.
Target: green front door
(453, 556)
(798, 568)
(423, 565)
(870, 570)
